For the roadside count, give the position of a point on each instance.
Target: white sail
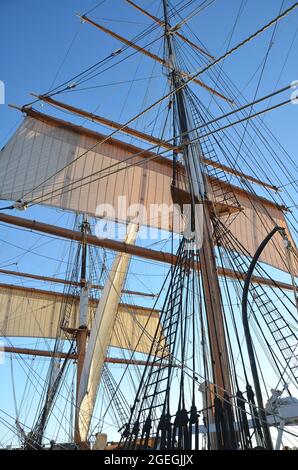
(257, 217)
(44, 146)
(100, 335)
(35, 313)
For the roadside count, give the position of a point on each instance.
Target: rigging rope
(188, 80)
(44, 198)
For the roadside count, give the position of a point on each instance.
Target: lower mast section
(82, 331)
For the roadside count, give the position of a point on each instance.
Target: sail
(101, 331)
(26, 312)
(257, 217)
(43, 145)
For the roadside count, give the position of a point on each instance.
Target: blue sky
(34, 39)
(36, 35)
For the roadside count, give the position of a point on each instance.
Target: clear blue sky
(34, 38)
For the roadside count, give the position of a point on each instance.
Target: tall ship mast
(194, 192)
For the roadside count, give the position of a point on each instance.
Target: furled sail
(42, 162)
(101, 331)
(26, 312)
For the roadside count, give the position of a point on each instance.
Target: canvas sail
(41, 148)
(26, 312)
(44, 146)
(257, 217)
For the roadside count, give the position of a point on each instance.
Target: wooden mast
(211, 288)
(214, 312)
(82, 331)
